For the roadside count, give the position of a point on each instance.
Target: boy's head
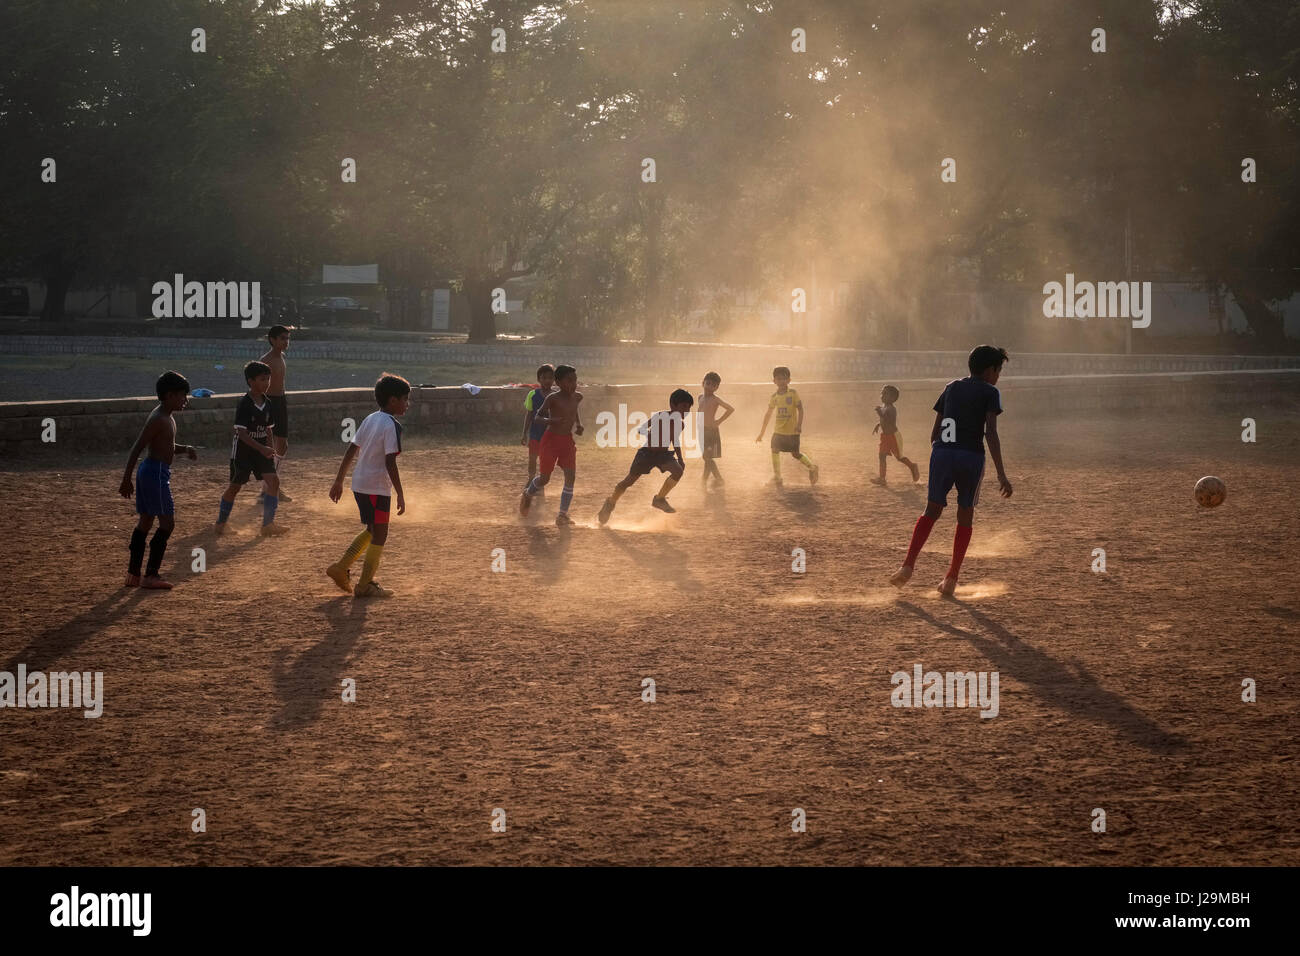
(986, 362)
(781, 376)
(172, 389)
(393, 393)
(546, 376)
(681, 401)
(711, 383)
(566, 376)
(278, 336)
(258, 376)
(889, 394)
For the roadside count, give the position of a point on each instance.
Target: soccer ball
(1210, 492)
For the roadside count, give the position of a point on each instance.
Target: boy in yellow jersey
(787, 427)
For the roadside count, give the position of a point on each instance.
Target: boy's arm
(577, 416)
(730, 412)
(798, 425)
(528, 424)
(242, 433)
(336, 490)
(938, 427)
(146, 434)
(390, 462)
(766, 419)
(995, 449)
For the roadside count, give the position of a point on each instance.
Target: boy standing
(251, 451)
(278, 335)
(663, 433)
(965, 415)
(533, 429)
(788, 426)
(711, 438)
(153, 490)
(376, 446)
(890, 439)
(559, 412)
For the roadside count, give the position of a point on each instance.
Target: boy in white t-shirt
(376, 446)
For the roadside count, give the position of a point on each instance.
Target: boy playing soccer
(278, 336)
(711, 438)
(663, 434)
(251, 451)
(788, 427)
(559, 412)
(965, 415)
(533, 429)
(890, 439)
(153, 490)
(376, 446)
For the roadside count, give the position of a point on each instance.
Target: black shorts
(279, 415)
(374, 508)
(649, 458)
(257, 465)
(781, 443)
(711, 443)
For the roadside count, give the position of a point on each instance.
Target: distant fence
(111, 425)
(732, 362)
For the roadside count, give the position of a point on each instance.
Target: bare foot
(154, 583)
(916, 472)
(948, 586)
(901, 576)
(878, 481)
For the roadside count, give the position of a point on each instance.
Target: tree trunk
(482, 323)
(1268, 326)
(58, 278)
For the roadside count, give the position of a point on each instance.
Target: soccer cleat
(132, 580)
(879, 481)
(776, 483)
(662, 504)
(814, 473)
(273, 530)
(916, 472)
(524, 501)
(154, 583)
(284, 496)
(341, 576)
(371, 590)
(948, 586)
(606, 510)
(562, 520)
(901, 576)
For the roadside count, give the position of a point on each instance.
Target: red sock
(919, 534)
(959, 542)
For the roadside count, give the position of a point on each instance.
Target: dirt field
(522, 690)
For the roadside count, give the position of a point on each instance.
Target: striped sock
(370, 565)
(806, 462)
(359, 544)
(566, 498)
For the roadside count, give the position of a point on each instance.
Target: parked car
(339, 309)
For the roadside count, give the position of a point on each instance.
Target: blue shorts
(955, 466)
(153, 488)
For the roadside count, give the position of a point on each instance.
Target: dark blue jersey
(967, 401)
(255, 418)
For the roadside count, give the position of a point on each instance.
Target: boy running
(788, 427)
(559, 411)
(965, 415)
(663, 434)
(278, 335)
(711, 437)
(251, 451)
(533, 429)
(376, 446)
(153, 490)
(890, 439)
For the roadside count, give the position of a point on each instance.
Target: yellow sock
(354, 550)
(618, 493)
(669, 483)
(776, 464)
(371, 565)
(806, 462)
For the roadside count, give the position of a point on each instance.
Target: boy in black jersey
(252, 450)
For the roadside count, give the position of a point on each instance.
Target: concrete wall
(112, 425)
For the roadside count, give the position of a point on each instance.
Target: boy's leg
(813, 470)
(157, 548)
(340, 572)
(916, 472)
(566, 497)
(924, 524)
(960, 540)
(607, 508)
(270, 503)
(226, 503)
(881, 479)
(532, 465)
(374, 553)
(776, 467)
(139, 537)
(660, 500)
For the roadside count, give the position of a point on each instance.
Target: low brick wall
(111, 425)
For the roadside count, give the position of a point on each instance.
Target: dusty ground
(522, 690)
